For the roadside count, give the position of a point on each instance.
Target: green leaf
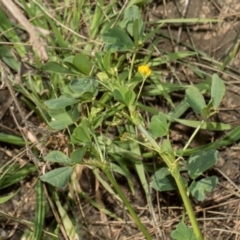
(61, 118)
(230, 138)
(77, 155)
(158, 126)
(122, 168)
(133, 22)
(7, 56)
(162, 91)
(130, 97)
(67, 92)
(135, 33)
(162, 180)
(58, 177)
(116, 39)
(15, 174)
(115, 150)
(230, 56)
(212, 126)
(60, 102)
(84, 87)
(68, 59)
(8, 197)
(171, 57)
(119, 96)
(107, 61)
(59, 39)
(207, 110)
(11, 139)
(9, 33)
(56, 67)
(97, 18)
(124, 95)
(166, 147)
(217, 90)
(200, 162)
(69, 225)
(195, 99)
(72, 67)
(152, 32)
(39, 212)
(58, 156)
(200, 188)
(82, 63)
(81, 134)
(99, 61)
(182, 232)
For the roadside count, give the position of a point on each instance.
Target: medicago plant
(107, 92)
(92, 97)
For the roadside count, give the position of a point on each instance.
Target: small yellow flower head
(144, 70)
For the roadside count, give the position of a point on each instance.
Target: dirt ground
(219, 214)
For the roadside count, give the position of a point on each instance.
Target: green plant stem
(131, 67)
(127, 204)
(169, 159)
(230, 138)
(140, 90)
(186, 201)
(193, 136)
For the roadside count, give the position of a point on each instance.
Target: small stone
(3, 233)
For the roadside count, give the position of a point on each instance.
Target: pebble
(3, 233)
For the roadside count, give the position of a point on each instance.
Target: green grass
(90, 87)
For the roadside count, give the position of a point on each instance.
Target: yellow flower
(144, 70)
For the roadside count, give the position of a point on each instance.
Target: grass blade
(40, 211)
(67, 223)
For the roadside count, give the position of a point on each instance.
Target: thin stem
(131, 67)
(192, 137)
(140, 90)
(128, 205)
(186, 201)
(174, 169)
